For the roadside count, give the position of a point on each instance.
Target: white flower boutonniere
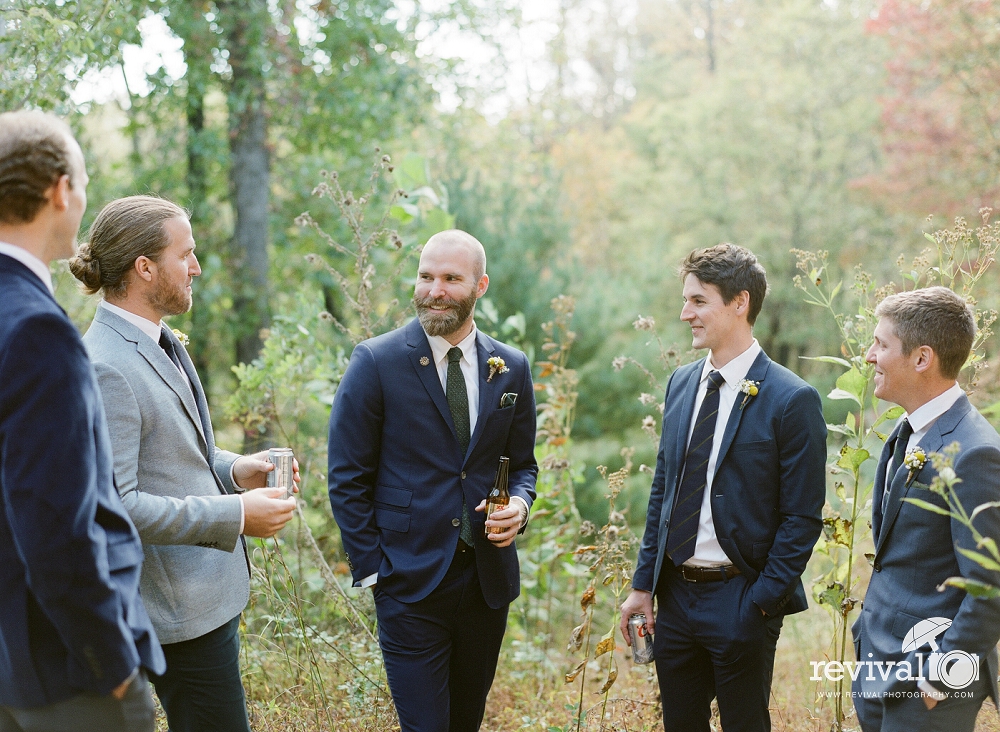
(914, 461)
(497, 366)
(749, 389)
(181, 336)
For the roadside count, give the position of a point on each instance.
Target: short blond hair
(935, 317)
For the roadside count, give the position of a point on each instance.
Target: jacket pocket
(392, 520)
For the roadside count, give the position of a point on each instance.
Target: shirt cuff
(928, 689)
(369, 581)
(243, 513)
(524, 509)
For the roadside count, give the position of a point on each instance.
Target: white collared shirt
(707, 551)
(470, 369)
(153, 331)
(924, 417)
(30, 261)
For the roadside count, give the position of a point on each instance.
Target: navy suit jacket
(917, 549)
(397, 474)
(71, 620)
(769, 486)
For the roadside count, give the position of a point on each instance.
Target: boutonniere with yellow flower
(181, 336)
(497, 366)
(749, 389)
(914, 461)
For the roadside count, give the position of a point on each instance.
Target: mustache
(427, 302)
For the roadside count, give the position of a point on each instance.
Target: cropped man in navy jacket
(735, 507)
(418, 426)
(74, 635)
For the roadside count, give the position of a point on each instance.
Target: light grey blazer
(167, 469)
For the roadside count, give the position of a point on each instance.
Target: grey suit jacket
(917, 549)
(167, 470)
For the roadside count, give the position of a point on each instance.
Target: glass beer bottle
(499, 497)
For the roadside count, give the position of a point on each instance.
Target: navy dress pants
(441, 652)
(712, 641)
(201, 690)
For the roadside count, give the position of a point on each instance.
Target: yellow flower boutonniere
(914, 461)
(749, 389)
(497, 366)
(181, 336)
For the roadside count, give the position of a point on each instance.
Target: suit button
(877, 566)
(456, 522)
(463, 475)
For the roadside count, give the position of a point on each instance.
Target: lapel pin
(424, 360)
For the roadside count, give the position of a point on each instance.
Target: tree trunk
(245, 24)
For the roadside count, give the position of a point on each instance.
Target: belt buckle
(684, 571)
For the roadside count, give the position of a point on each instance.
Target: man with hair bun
(922, 341)
(189, 500)
(74, 635)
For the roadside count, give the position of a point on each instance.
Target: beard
(446, 323)
(169, 299)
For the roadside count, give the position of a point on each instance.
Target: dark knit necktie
(458, 403)
(898, 453)
(167, 345)
(687, 510)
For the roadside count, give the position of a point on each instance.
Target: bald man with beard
(418, 426)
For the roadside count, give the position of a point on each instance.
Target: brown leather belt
(708, 574)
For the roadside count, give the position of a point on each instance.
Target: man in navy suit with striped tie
(735, 506)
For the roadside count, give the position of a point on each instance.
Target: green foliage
(43, 42)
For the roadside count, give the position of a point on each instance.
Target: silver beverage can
(642, 640)
(281, 457)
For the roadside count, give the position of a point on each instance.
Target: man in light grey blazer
(928, 656)
(188, 499)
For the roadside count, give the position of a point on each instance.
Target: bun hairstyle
(123, 231)
(86, 269)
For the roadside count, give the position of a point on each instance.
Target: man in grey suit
(928, 655)
(188, 499)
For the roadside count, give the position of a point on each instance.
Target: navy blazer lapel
(878, 488)
(757, 372)
(488, 401)
(422, 359)
(689, 392)
(933, 441)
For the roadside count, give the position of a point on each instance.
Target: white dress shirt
(30, 261)
(707, 551)
(153, 331)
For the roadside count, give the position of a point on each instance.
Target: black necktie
(168, 347)
(458, 403)
(687, 510)
(898, 453)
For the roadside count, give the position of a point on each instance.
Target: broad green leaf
(892, 413)
(842, 394)
(851, 458)
(975, 588)
(981, 559)
(928, 506)
(830, 359)
(854, 383)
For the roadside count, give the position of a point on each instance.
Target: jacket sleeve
(521, 443)
(211, 521)
(355, 441)
(976, 626)
(802, 493)
(50, 433)
(645, 564)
